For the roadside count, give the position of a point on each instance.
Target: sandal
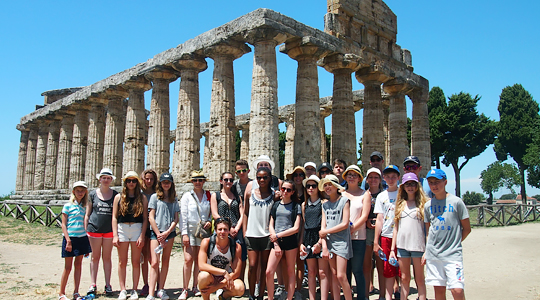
(63, 297)
(77, 296)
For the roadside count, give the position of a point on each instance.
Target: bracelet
(277, 237)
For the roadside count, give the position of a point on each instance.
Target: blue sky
(478, 47)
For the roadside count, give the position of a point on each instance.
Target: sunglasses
(311, 186)
(411, 167)
(298, 174)
(228, 180)
(197, 180)
(325, 171)
(352, 175)
(131, 180)
(241, 171)
(262, 177)
(224, 219)
(377, 159)
(410, 184)
(288, 190)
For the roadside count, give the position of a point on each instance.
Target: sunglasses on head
(311, 186)
(241, 171)
(221, 219)
(298, 174)
(411, 167)
(197, 180)
(262, 177)
(228, 180)
(129, 180)
(376, 159)
(288, 190)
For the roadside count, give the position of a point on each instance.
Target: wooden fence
(503, 214)
(32, 213)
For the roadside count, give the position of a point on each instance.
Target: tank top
(313, 215)
(338, 243)
(129, 217)
(226, 210)
(100, 220)
(220, 260)
(259, 215)
(356, 206)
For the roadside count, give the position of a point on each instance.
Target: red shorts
(389, 270)
(108, 235)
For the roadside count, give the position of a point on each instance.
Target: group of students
(333, 223)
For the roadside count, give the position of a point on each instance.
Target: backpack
(273, 211)
(212, 245)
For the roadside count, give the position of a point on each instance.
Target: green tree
(499, 175)
(437, 112)
(511, 196)
(465, 133)
(532, 160)
(537, 197)
(472, 198)
(518, 123)
(328, 146)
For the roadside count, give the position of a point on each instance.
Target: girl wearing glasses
(312, 213)
(409, 237)
(129, 222)
(227, 204)
(258, 203)
(284, 224)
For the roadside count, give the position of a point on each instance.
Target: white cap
(310, 163)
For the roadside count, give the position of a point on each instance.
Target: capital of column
(162, 73)
(137, 83)
(419, 95)
(231, 49)
(190, 61)
(115, 93)
(372, 75)
(343, 63)
(397, 87)
(265, 35)
(302, 49)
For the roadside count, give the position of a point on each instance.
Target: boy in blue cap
(447, 224)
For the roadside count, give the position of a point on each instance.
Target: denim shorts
(405, 254)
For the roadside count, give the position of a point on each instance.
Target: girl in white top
(360, 206)
(409, 237)
(194, 207)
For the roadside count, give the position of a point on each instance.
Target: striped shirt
(75, 219)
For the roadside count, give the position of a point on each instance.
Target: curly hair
(420, 200)
(137, 208)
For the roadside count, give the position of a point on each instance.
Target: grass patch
(18, 231)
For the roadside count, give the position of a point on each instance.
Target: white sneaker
(183, 295)
(134, 295)
(298, 295)
(219, 294)
(150, 297)
(162, 294)
(123, 295)
(196, 291)
(257, 287)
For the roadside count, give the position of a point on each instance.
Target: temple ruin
(78, 131)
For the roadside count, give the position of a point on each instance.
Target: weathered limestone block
(64, 150)
(373, 130)
(28, 183)
(244, 143)
(397, 120)
(21, 162)
(222, 123)
(187, 147)
(135, 133)
(96, 141)
(114, 133)
(41, 154)
(307, 116)
(78, 146)
(324, 149)
(420, 139)
(386, 113)
(288, 164)
(52, 153)
(206, 153)
(158, 155)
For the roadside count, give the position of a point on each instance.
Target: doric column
(29, 170)
(96, 140)
(52, 153)
(206, 154)
(307, 111)
(373, 131)
(288, 164)
(324, 149)
(21, 162)
(187, 145)
(41, 154)
(244, 143)
(64, 150)
(397, 120)
(222, 113)
(158, 155)
(264, 101)
(420, 139)
(135, 133)
(114, 132)
(78, 146)
(343, 123)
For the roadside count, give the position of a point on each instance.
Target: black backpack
(273, 211)
(212, 245)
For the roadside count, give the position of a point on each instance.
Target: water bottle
(393, 262)
(90, 297)
(159, 248)
(308, 251)
(382, 255)
(331, 255)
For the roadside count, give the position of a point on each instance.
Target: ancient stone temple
(78, 131)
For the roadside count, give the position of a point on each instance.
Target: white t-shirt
(386, 204)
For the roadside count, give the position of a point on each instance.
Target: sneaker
(183, 295)
(145, 290)
(219, 294)
(77, 296)
(150, 297)
(134, 295)
(305, 282)
(92, 289)
(279, 291)
(257, 287)
(298, 295)
(397, 295)
(108, 290)
(162, 294)
(196, 291)
(122, 295)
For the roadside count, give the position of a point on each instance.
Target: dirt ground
(500, 263)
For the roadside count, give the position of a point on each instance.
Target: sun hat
(311, 178)
(411, 158)
(373, 170)
(290, 175)
(333, 180)
(391, 168)
(197, 175)
(409, 177)
(262, 158)
(105, 171)
(166, 176)
(325, 165)
(437, 173)
(131, 174)
(310, 164)
(353, 168)
(80, 183)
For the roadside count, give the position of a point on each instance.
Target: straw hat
(333, 180)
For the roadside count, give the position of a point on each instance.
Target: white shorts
(129, 232)
(445, 273)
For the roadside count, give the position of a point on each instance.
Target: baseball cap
(409, 177)
(411, 158)
(376, 153)
(325, 165)
(436, 173)
(391, 168)
(166, 176)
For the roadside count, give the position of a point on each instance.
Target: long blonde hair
(84, 199)
(137, 208)
(420, 200)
